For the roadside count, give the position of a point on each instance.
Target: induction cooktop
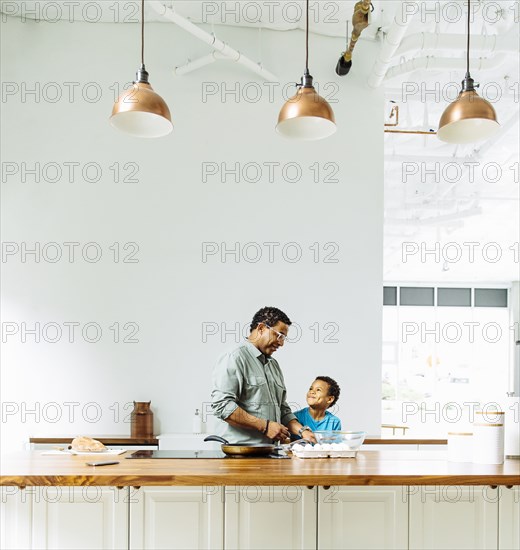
(193, 454)
(177, 454)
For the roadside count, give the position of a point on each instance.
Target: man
(249, 393)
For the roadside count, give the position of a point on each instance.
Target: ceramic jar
(141, 420)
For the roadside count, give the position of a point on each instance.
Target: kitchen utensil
(238, 449)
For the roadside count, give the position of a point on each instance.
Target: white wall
(170, 293)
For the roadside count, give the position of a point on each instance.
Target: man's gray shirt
(240, 379)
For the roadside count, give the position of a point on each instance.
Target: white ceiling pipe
(422, 209)
(211, 40)
(419, 223)
(437, 220)
(391, 42)
(414, 95)
(482, 45)
(487, 145)
(440, 205)
(425, 158)
(445, 63)
(194, 65)
(477, 154)
(191, 66)
(201, 62)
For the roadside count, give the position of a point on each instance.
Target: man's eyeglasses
(280, 336)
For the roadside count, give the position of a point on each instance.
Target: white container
(460, 446)
(197, 422)
(489, 417)
(488, 443)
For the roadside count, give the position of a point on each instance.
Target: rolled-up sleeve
(227, 385)
(286, 415)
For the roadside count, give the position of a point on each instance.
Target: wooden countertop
(368, 468)
(127, 440)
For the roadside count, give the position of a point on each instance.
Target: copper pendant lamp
(306, 115)
(139, 111)
(469, 118)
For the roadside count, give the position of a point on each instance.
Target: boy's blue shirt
(330, 422)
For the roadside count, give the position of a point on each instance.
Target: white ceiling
(419, 208)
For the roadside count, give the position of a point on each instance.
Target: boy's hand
(309, 436)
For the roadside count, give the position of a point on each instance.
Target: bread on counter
(87, 444)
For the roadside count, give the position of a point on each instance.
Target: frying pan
(232, 449)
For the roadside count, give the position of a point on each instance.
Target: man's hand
(277, 431)
(307, 435)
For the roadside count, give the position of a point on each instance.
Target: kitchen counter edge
(370, 468)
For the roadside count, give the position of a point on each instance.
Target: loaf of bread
(87, 444)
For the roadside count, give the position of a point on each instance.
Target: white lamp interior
(306, 128)
(142, 124)
(468, 130)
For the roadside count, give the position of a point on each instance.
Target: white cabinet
(362, 517)
(176, 518)
(257, 517)
(453, 517)
(16, 517)
(509, 518)
(270, 517)
(71, 518)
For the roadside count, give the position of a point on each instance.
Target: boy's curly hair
(334, 389)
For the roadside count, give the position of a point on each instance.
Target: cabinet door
(509, 518)
(453, 517)
(74, 518)
(270, 517)
(15, 517)
(362, 517)
(177, 517)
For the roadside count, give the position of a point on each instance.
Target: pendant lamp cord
(307, 40)
(467, 51)
(142, 32)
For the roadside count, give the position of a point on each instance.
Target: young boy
(322, 394)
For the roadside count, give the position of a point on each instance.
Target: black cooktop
(193, 454)
(177, 454)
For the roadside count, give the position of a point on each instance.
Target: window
(413, 296)
(454, 297)
(438, 359)
(390, 296)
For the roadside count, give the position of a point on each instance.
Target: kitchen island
(380, 499)
(368, 468)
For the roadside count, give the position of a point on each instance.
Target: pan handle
(216, 438)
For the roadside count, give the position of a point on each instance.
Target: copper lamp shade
(468, 119)
(306, 115)
(140, 112)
